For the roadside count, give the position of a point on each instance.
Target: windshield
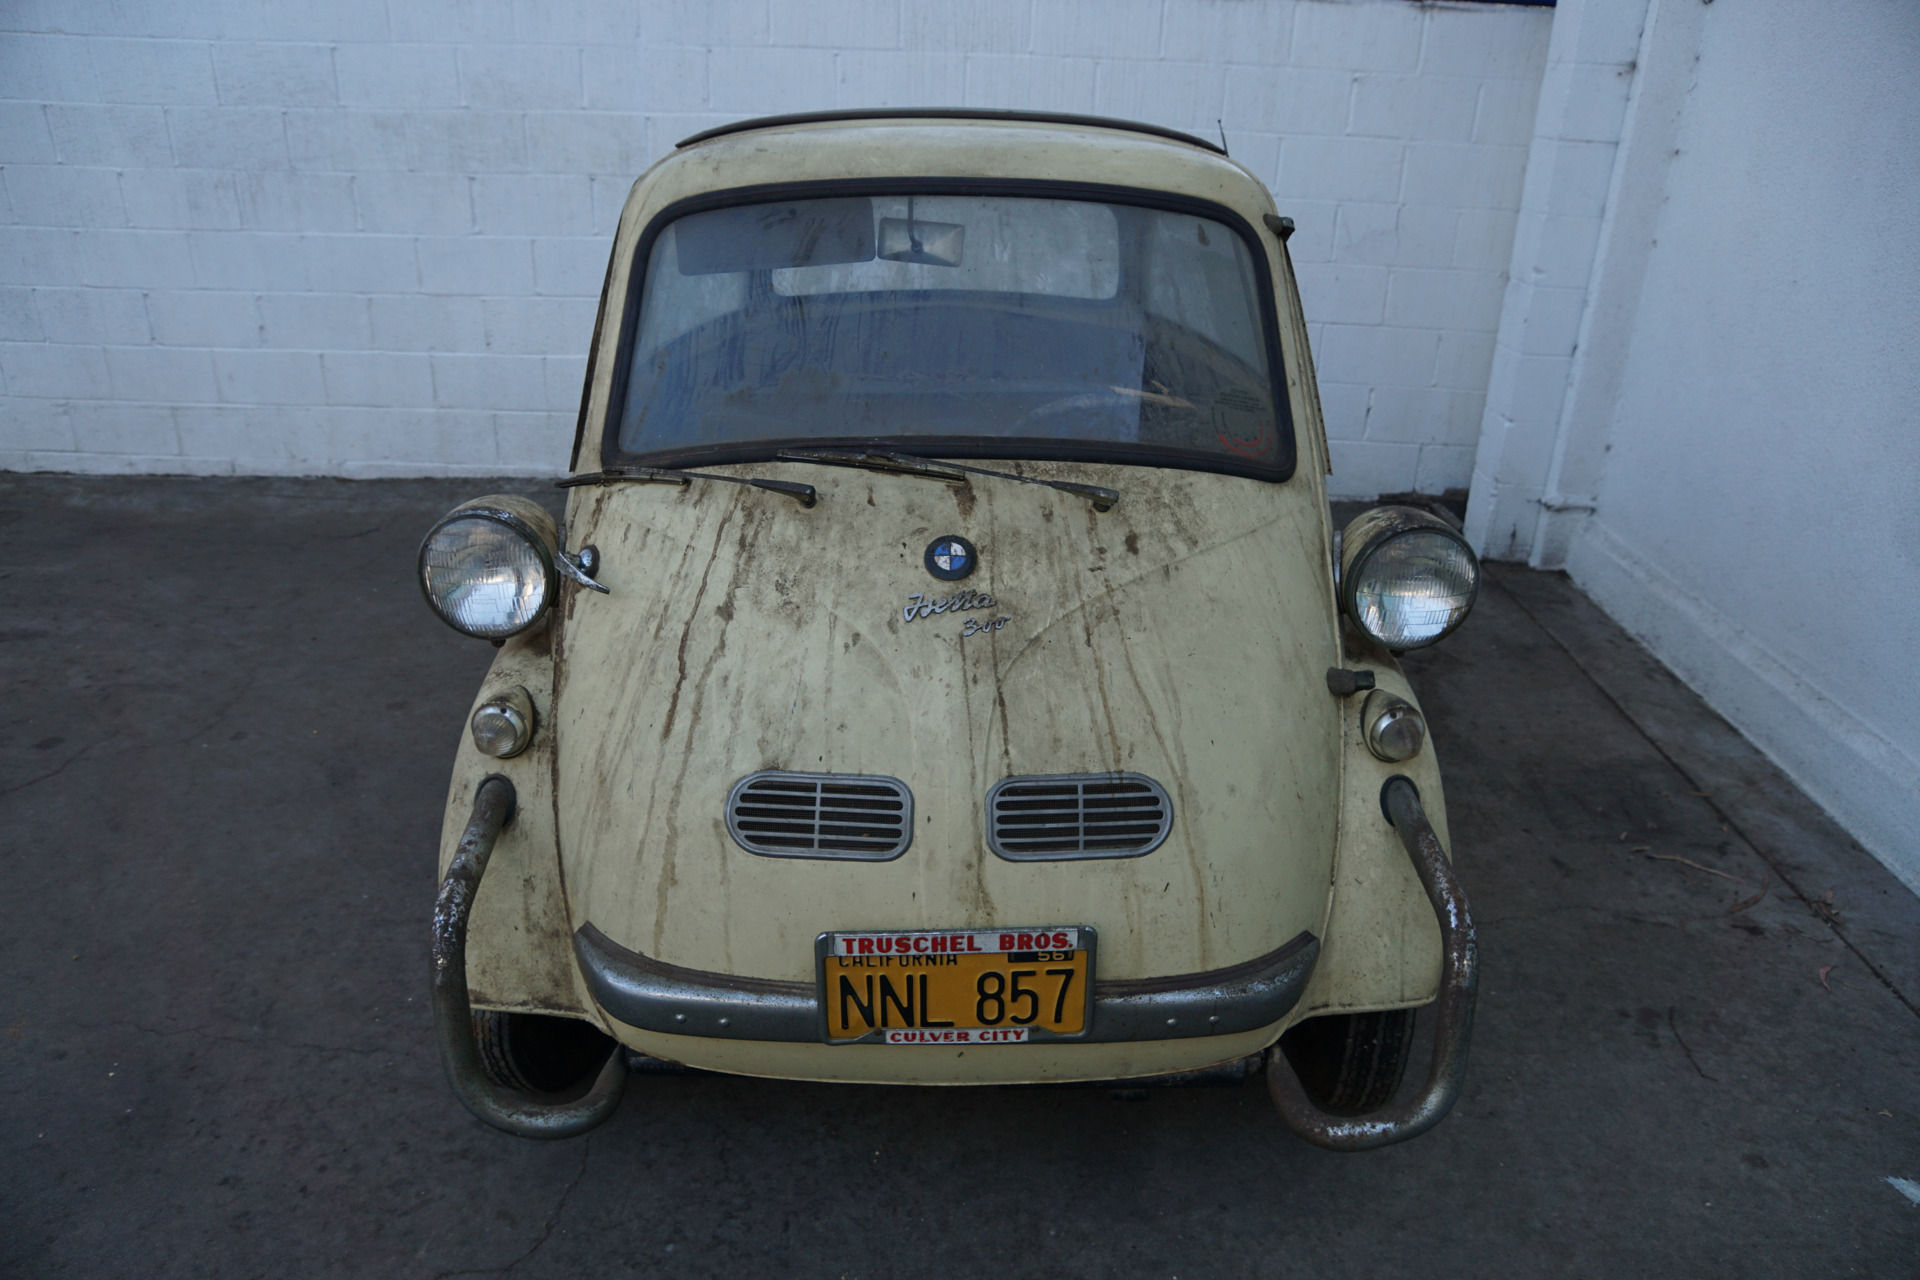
(975, 325)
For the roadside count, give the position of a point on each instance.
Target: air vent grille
(1041, 817)
(821, 815)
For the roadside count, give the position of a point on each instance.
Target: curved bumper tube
(526, 1114)
(1459, 983)
(655, 996)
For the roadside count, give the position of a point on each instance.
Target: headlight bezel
(1394, 729)
(515, 705)
(1373, 530)
(525, 519)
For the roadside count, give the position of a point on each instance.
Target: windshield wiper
(949, 472)
(804, 494)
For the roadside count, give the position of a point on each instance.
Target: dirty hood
(1183, 635)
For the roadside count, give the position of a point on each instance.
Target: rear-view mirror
(934, 244)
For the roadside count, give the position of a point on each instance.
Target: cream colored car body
(1185, 635)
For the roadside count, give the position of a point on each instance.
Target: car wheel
(1351, 1063)
(536, 1053)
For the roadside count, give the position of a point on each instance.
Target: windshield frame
(934, 446)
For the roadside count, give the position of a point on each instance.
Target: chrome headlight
(1406, 578)
(487, 566)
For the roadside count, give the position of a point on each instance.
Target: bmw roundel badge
(950, 558)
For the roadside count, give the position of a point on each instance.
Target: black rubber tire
(1351, 1063)
(536, 1053)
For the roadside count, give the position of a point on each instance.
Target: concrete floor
(232, 722)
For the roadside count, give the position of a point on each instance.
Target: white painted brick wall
(119, 316)
(267, 377)
(1566, 186)
(190, 318)
(365, 237)
(371, 379)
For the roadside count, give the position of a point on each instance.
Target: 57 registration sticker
(965, 986)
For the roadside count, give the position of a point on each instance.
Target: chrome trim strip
(654, 996)
(986, 114)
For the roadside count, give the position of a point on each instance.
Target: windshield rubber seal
(1012, 448)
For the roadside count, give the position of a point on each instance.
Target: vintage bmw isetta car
(947, 671)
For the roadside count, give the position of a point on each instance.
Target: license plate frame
(1083, 939)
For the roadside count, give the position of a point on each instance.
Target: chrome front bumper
(655, 996)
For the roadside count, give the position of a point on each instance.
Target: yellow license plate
(965, 986)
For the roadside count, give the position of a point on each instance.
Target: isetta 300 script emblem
(924, 606)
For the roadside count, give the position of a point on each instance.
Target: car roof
(950, 113)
